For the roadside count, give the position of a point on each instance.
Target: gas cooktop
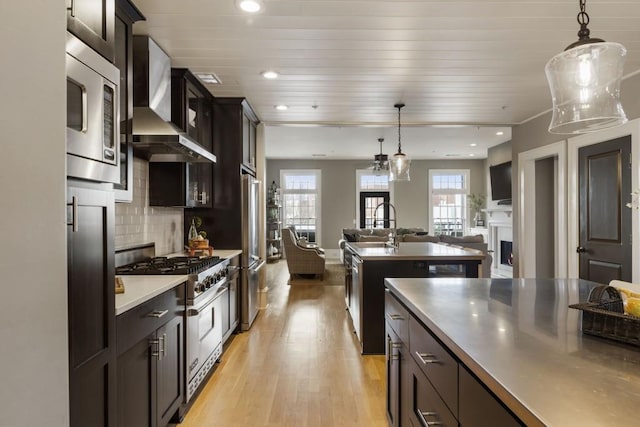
(173, 265)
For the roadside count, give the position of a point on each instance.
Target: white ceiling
(451, 62)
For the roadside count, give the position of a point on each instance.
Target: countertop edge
(516, 406)
(164, 284)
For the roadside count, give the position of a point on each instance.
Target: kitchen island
(373, 262)
(514, 342)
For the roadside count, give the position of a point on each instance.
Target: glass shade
(399, 167)
(585, 88)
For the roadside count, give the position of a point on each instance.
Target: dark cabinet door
(191, 108)
(169, 373)
(180, 184)
(136, 370)
(126, 15)
(92, 21)
(393, 354)
(91, 306)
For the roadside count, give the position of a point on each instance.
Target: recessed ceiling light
(473, 144)
(281, 107)
(270, 74)
(251, 6)
(471, 155)
(209, 78)
(318, 155)
(499, 133)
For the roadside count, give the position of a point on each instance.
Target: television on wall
(500, 176)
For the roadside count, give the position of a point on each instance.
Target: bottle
(193, 233)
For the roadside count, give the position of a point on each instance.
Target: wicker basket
(603, 316)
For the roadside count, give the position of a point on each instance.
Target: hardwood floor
(298, 366)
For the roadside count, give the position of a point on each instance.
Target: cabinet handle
(423, 358)
(74, 214)
(155, 348)
(72, 8)
(423, 419)
(162, 346)
(157, 313)
(396, 317)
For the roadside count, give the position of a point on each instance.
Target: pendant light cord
(583, 20)
(399, 107)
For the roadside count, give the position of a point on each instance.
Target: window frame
(364, 172)
(318, 192)
(466, 173)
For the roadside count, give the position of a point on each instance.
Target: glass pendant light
(399, 163)
(585, 83)
(381, 161)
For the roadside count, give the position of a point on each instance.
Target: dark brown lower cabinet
(150, 365)
(91, 304)
(427, 385)
(478, 407)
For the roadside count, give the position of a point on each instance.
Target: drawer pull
(157, 313)
(425, 414)
(396, 317)
(427, 358)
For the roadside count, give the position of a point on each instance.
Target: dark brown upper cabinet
(191, 107)
(235, 132)
(126, 15)
(179, 184)
(92, 21)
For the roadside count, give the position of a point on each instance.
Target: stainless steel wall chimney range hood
(154, 136)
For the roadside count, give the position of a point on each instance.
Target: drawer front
(140, 321)
(478, 407)
(428, 408)
(436, 363)
(396, 316)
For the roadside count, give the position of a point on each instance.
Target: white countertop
(523, 341)
(139, 289)
(222, 253)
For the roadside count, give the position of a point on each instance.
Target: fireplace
(506, 253)
(500, 241)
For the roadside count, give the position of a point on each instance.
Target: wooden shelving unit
(274, 224)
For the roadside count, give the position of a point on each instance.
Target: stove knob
(199, 287)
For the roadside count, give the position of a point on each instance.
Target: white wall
(138, 223)
(33, 310)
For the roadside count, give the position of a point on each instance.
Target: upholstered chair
(301, 259)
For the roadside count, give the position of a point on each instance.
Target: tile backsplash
(137, 222)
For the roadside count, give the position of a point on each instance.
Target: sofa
(418, 235)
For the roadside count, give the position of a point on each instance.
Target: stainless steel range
(206, 284)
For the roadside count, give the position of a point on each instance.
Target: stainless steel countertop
(425, 251)
(520, 338)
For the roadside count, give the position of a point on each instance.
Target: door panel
(368, 202)
(605, 221)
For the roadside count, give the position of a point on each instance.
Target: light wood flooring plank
(298, 366)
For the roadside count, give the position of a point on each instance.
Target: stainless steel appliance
(93, 119)
(153, 133)
(251, 261)
(205, 290)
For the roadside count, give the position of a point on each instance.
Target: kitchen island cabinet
(520, 355)
(372, 263)
(150, 364)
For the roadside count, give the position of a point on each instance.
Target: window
(301, 201)
(372, 189)
(448, 201)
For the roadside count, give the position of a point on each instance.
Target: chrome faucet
(394, 229)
